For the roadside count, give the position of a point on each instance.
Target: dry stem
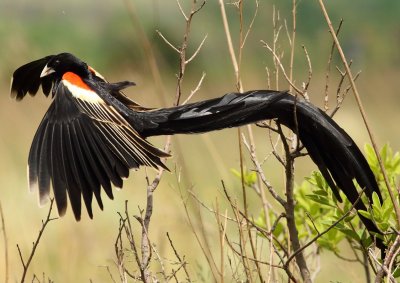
(26, 264)
(363, 113)
(3, 228)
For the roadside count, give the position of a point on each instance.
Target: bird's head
(65, 62)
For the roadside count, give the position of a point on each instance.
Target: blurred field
(101, 33)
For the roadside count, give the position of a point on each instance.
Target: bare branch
(230, 46)
(328, 69)
(384, 268)
(109, 274)
(197, 50)
(262, 175)
(289, 209)
(325, 231)
(282, 68)
(305, 88)
(168, 42)
(182, 261)
(3, 228)
(363, 114)
(209, 208)
(36, 242)
(205, 248)
(182, 11)
(193, 92)
(250, 25)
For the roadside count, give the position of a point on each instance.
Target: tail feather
(230, 110)
(329, 146)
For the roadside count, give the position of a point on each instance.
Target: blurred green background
(102, 33)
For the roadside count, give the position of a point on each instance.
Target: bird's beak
(46, 71)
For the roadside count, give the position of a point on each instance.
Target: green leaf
(349, 218)
(321, 193)
(375, 199)
(366, 214)
(370, 154)
(250, 178)
(350, 233)
(396, 272)
(320, 200)
(387, 204)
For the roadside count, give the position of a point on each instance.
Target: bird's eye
(57, 62)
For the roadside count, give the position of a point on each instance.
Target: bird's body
(93, 134)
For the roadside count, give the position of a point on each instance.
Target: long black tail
(329, 146)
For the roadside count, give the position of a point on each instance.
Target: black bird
(92, 134)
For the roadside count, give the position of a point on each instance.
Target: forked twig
(320, 234)
(363, 113)
(328, 69)
(390, 256)
(146, 247)
(182, 261)
(26, 264)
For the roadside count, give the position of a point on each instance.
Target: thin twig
(325, 231)
(118, 248)
(145, 222)
(262, 175)
(222, 235)
(276, 30)
(205, 248)
(209, 208)
(242, 241)
(328, 69)
(292, 42)
(249, 258)
(178, 257)
(279, 63)
(339, 100)
(109, 273)
(307, 84)
(363, 113)
(289, 209)
(26, 264)
(197, 50)
(3, 228)
(230, 45)
(129, 234)
(168, 42)
(236, 62)
(148, 51)
(197, 88)
(384, 270)
(250, 25)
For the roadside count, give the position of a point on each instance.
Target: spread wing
(26, 79)
(82, 145)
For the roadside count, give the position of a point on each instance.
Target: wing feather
(138, 148)
(44, 167)
(87, 177)
(58, 181)
(71, 176)
(33, 157)
(92, 160)
(84, 144)
(102, 167)
(26, 79)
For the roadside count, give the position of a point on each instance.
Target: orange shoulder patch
(75, 80)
